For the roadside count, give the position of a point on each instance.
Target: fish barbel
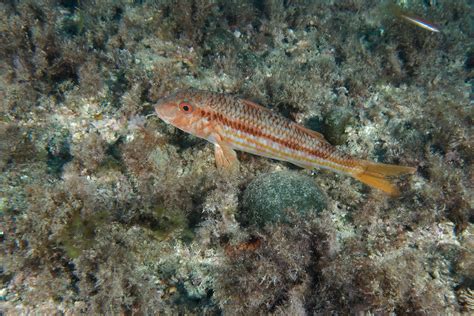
(231, 123)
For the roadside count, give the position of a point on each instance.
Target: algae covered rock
(269, 197)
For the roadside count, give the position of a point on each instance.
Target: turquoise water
(106, 209)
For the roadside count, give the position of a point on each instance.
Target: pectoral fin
(226, 158)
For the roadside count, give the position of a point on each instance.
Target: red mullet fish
(231, 123)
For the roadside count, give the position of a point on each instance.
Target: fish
(232, 123)
(398, 12)
(421, 23)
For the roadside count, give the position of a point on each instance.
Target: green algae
(73, 24)
(80, 233)
(166, 222)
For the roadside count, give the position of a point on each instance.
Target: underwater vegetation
(105, 209)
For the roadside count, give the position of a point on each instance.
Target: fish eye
(185, 107)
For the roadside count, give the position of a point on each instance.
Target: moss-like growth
(80, 233)
(164, 223)
(270, 277)
(59, 152)
(269, 197)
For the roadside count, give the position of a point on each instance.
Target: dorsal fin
(256, 106)
(311, 132)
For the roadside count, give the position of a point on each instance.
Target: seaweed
(104, 209)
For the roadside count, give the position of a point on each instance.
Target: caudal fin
(375, 174)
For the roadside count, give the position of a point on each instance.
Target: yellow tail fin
(375, 174)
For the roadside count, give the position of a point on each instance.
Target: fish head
(181, 110)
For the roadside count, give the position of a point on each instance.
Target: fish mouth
(165, 111)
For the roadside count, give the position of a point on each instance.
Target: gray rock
(268, 198)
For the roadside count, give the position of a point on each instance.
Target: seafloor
(105, 209)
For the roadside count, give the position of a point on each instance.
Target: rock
(268, 198)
